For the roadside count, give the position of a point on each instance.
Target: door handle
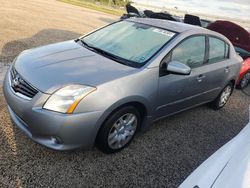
(200, 78)
(227, 69)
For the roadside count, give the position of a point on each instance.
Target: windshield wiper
(83, 42)
(104, 53)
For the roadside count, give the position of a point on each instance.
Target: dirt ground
(162, 157)
(25, 24)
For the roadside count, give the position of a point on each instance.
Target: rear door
(218, 63)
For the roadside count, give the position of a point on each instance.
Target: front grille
(19, 85)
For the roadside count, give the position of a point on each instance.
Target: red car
(244, 77)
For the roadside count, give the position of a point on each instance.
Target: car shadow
(11, 49)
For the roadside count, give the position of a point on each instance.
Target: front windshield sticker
(163, 32)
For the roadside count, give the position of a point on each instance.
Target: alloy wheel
(245, 80)
(225, 95)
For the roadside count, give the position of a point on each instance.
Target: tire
(223, 97)
(245, 81)
(115, 134)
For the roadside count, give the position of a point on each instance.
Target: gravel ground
(161, 157)
(3, 69)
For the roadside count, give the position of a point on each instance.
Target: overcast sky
(229, 8)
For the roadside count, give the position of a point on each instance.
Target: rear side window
(218, 50)
(190, 52)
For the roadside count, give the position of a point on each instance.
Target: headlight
(65, 100)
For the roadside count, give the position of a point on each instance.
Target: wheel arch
(141, 104)
(233, 81)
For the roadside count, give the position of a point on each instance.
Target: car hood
(51, 67)
(229, 167)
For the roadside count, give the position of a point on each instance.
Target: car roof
(178, 27)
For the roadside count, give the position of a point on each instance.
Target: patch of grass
(93, 6)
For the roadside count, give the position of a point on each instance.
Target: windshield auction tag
(164, 32)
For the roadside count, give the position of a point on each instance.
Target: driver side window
(190, 52)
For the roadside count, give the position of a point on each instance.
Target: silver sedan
(105, 86)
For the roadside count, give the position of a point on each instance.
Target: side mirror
(177, 67)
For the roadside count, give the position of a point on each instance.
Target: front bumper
(55, 130)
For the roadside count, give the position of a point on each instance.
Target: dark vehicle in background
(134, 12)
(189, 19)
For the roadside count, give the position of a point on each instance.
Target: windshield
(130, 41)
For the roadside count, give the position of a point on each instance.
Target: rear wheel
(245, 81)
(119, 130)
(223, 97)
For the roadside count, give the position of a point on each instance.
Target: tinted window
(218, 50)
(190, 52)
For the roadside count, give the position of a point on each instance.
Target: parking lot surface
(161, 157)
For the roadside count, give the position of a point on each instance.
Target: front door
(179, 92)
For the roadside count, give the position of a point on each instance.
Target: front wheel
(223, 97)
(118, 130)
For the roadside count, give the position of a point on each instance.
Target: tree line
(116, 3)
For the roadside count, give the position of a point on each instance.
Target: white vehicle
(229, 167)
